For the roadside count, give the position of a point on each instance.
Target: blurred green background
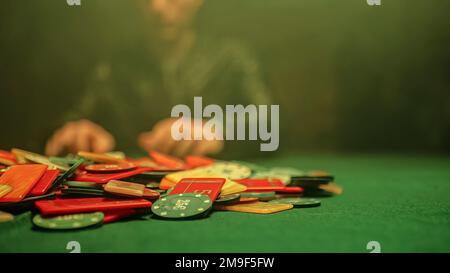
(348, 77)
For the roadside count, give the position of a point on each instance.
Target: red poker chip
(110, 168)
(290, 190)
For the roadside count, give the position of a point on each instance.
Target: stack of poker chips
(89, 189)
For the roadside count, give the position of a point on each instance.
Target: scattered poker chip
(152, 185)
(312, 179)
(150, 194)
(263, 196)
(247, 200)
(100, 158)
(110, 168)
(228, 199)
(6, 217)
(63, 160)
(316, 192)
(117, 154)
(269, 174)
(71, 221)
(82, 185)
(170, 190)
(183, 205)
(229, 170)
(298, 202)
(36, 158)
(161, 192)
(331, 188)
(5, 189)
(68, 173)
(126, 188)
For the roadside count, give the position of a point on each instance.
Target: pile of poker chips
(91, 189)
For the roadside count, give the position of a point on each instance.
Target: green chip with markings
(183, 205)
(70, 221)
(229, 170)
(298, 202)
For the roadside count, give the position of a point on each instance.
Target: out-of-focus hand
(81, 135)
(160, 139)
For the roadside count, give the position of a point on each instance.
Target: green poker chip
(165, 193)
(70, 221)
(228, 199)
(63, 177)
(152, 185)
(183, 205)
(263, 196)
(298, 202)
(63, 160)
(82, 185)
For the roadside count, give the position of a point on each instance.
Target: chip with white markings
(184, 205)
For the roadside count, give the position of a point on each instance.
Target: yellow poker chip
(26, 156)
(101, 158)
(5, 189)
(7, 162)
(6, 217)
(255, 207)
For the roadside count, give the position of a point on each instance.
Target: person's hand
(160, 139)
(81, 135)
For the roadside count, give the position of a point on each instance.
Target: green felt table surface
(401, 201)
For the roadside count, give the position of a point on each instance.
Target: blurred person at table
(136, 90)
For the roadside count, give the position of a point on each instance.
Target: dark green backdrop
(347, 76)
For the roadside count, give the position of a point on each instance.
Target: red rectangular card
(262, 184)
(22, 179)
(44, 183)
(79, 205)
(207, 186)
(106, 177)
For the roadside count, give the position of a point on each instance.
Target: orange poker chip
(150, 194)
(110, 168)
(166, 184)
(198, 161)
(167, 160)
